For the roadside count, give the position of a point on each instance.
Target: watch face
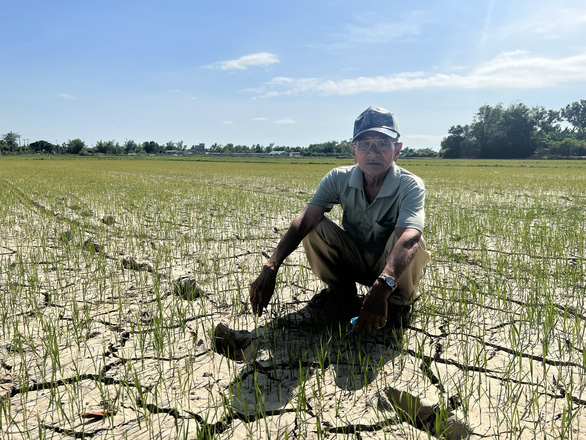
(389, 280)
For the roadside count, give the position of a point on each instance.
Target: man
(380, 245)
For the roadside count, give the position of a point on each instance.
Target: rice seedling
(114, 275)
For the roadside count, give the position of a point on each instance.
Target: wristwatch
(389, 280)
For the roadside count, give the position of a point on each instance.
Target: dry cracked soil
(102, 343)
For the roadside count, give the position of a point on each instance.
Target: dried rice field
(124, 306)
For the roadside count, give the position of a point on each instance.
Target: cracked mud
(125, 319)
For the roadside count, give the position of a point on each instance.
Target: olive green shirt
(399, 204)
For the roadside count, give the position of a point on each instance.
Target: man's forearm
(288, 243)
(403, 253)
(300, 227)
(263, 288)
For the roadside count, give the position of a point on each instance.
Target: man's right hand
(262, 290)
(264, 286)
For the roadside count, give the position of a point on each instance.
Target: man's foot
(336, 305)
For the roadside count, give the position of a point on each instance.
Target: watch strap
(385, 279)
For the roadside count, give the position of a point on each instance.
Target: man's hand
(262, 290)
(264, 286)
(373, 315)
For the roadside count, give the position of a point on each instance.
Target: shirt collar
(356, 178)
(390, 185)
(392, 182)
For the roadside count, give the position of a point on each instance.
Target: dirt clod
(65, 237)
(187, 289)
(233, 344)
(132, 264)
(108, 220)
(91, 246)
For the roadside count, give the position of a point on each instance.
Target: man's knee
(326, 234)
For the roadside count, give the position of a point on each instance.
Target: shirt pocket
(383, 229)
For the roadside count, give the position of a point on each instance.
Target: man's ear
(353, 151)
(398, 146)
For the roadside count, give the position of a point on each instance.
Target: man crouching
(379, 244)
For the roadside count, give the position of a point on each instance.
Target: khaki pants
(340, 262)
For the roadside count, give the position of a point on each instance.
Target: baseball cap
(376, 119)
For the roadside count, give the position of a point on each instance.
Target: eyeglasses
(382, 145)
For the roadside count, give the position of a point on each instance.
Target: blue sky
(292, 73)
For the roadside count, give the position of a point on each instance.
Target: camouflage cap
(376, 119)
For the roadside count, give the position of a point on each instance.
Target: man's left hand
(373, 315)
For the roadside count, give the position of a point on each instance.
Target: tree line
(519, 132)
(514, 132)
(10, 144)
(323, 149)
(339, 149)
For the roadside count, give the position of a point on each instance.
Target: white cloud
(285, 121)
(553, 21)
(256, 59)
(533, 22)
(227, 122)
(518, 69)
(261, 119)
(281, 80)
(66, 96)
(373, 29)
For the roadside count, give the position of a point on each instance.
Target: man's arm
(374, 309)
(263, 287)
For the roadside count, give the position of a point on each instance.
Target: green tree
(131, 147)
(495, 132)
(575, 114)
(43, 147)
(568, 147)
(101, 147)
(151, 147)
(547, 124)
(242, 149)
(520, 132)
(329, 148)
(75, 146)
(452, 146)
(108, 147)
(487, 131)
(420, 152)
(11, 139)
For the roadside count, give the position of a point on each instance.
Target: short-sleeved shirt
(399, 204)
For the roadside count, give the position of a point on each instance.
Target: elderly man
(380, 245)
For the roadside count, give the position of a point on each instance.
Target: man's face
(376, 160)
